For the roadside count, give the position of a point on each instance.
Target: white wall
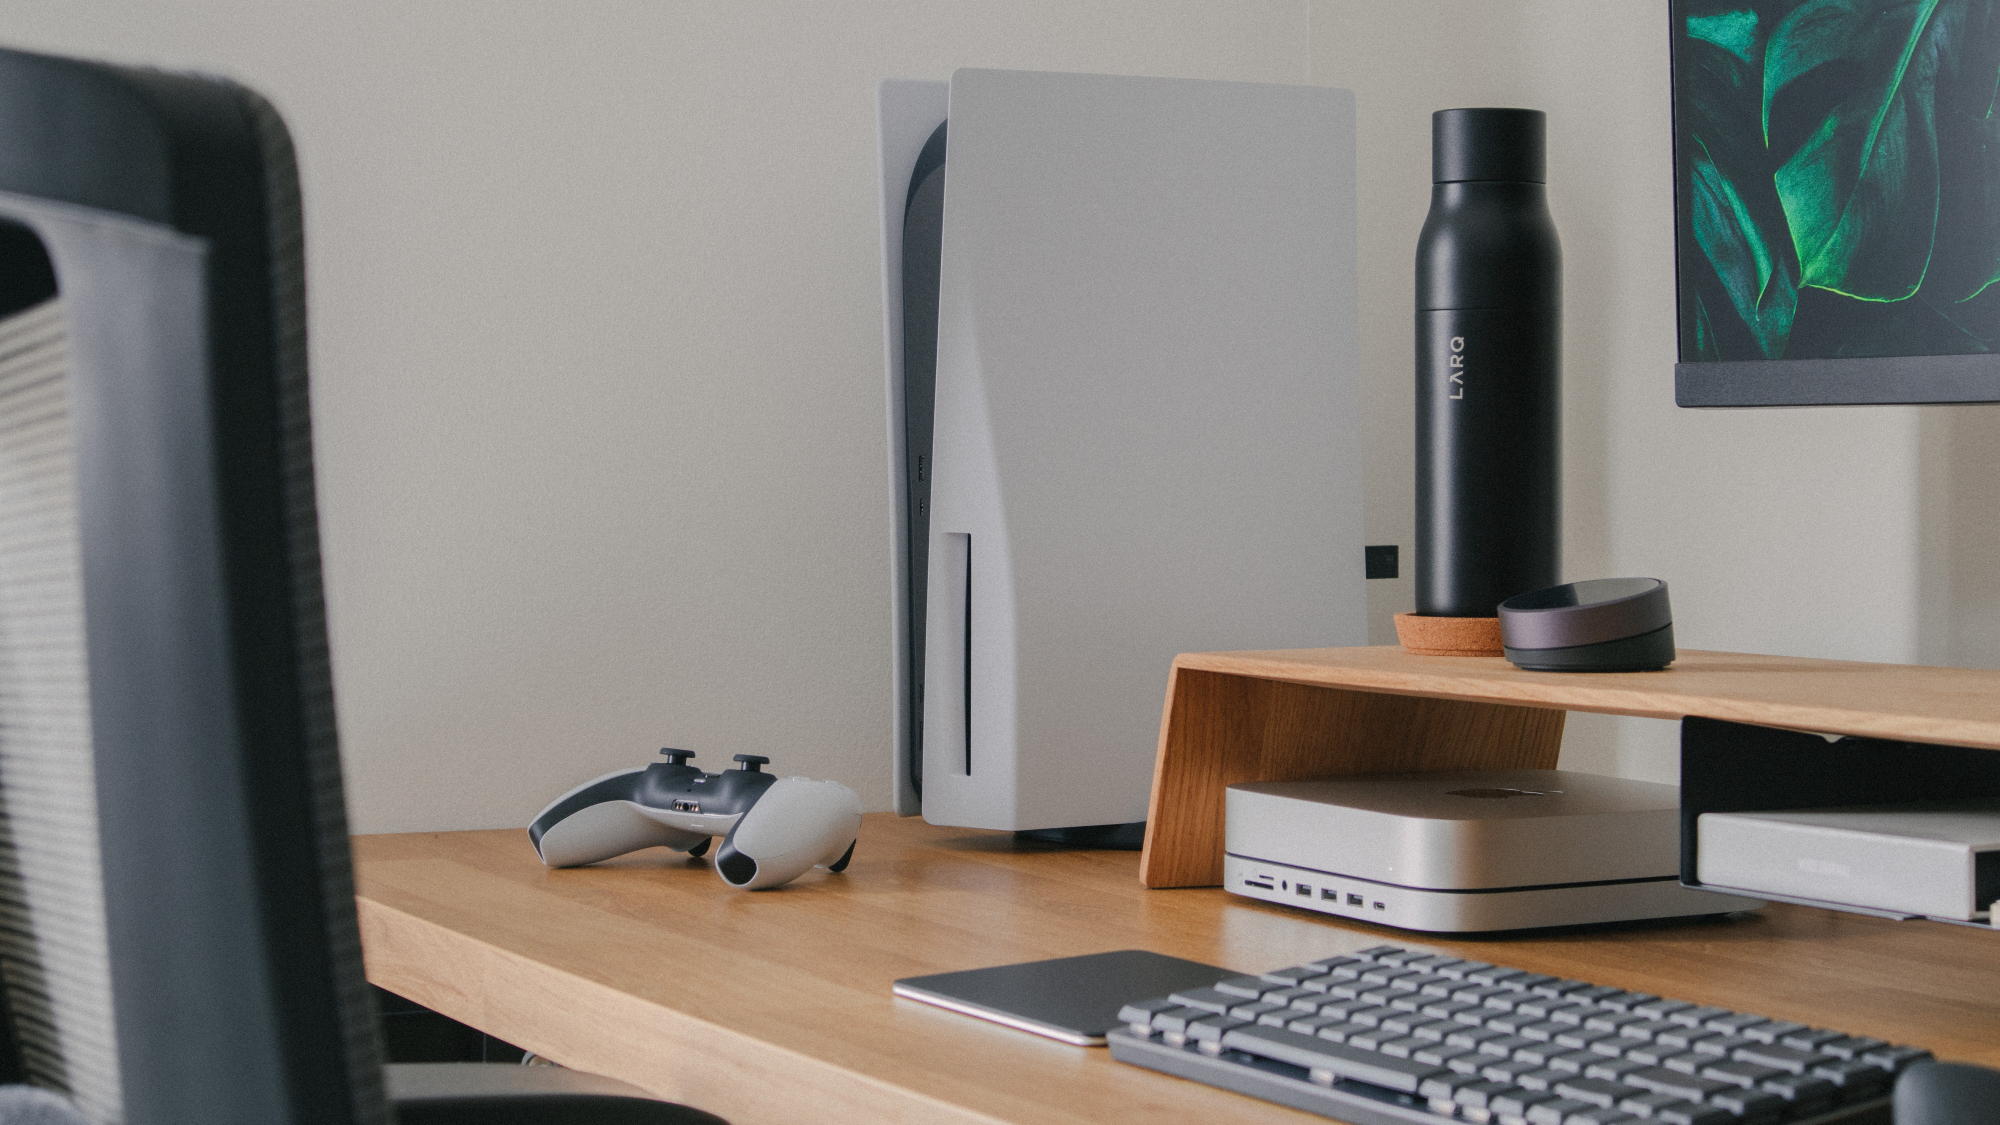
(596, 330)
(597, 359)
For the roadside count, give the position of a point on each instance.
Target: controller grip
(797, 824)
(598, 820)
(609, 829)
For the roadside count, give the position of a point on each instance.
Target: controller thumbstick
(677, 757)
(751, 761)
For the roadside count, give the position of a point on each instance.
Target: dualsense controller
(773, 829)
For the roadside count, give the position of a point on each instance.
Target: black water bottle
(1489, 357)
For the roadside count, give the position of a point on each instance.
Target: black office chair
(178, 938)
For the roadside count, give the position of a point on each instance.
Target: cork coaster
(1449, 636)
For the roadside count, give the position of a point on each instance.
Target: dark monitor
(1837, 200)
(173, 849)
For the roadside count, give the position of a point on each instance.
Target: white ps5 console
(1465, 851)
(1136, 433)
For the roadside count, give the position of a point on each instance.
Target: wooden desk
(775, 1006)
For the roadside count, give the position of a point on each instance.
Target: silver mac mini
(1465, 851)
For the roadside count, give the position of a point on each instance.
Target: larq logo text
(1456, 368)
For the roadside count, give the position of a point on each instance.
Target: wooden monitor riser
(1234, 717)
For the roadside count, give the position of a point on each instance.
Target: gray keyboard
(1392, 1036)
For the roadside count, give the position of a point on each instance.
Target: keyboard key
(1772, 1031)
(1831, 1043)
(1256, 1010)
(1440, 1088)
(1371, 1015)
(1477, 1095)
(1460, 970)
(1572, 1014)
(1802, 1089)
(1442, 1054)
(1474, 993)
(1684, 1037)
(1401, 957)
(1752, 1104)
(1695, 1017)
(1510, 1023)
(1339, 966)
(1652, 1054)
(1614, 1069)
(1625, 1001)
(1207, 999)
(1856, 1079)
(1212, 1029)
(1556, 1111)
(1693, 1113)
(1248, 987)
(1596, 1091)
(1433, 963)
(1289, 978)
(1450, 1009)
(1403, 1046)
(1687, 1062)
(1385, 974)
(1508, 1070)
(1895, 1058)
(1532, 981)
(1661, 1009)
(1559, 987)
(1517, 1101)
(1573, 1062)
(1139, 1013)
(1581, 1037)
(1473, 1036)
(1375, 951)
(1687, 1087)
(1382, 995)
(1612, 1021)
(1403, 1075)
(1646, 1030)
(1308, 1025)
(1747, 1075)
(1734, 1022)
(1540, 1052)
(1174, 1021)
(1725, 1045)
(1648, 1105)
(1505, 1046)
(1600, 1115)
(1367, 1039)
(1592, 993)
(1544, 1030)
(1407, 1023)
(1494, 974)
(1791, 1060)
(1417, 981)
(1543, 1079)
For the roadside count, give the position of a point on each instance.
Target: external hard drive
(1465, 851)
(1931, 860)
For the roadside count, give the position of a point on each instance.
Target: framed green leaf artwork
(1837, 194)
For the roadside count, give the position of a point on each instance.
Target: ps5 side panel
(1146, 401)
(906, 112)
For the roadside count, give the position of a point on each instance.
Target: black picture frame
(1802, 274)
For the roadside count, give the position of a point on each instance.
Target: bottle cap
(1489, 144)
